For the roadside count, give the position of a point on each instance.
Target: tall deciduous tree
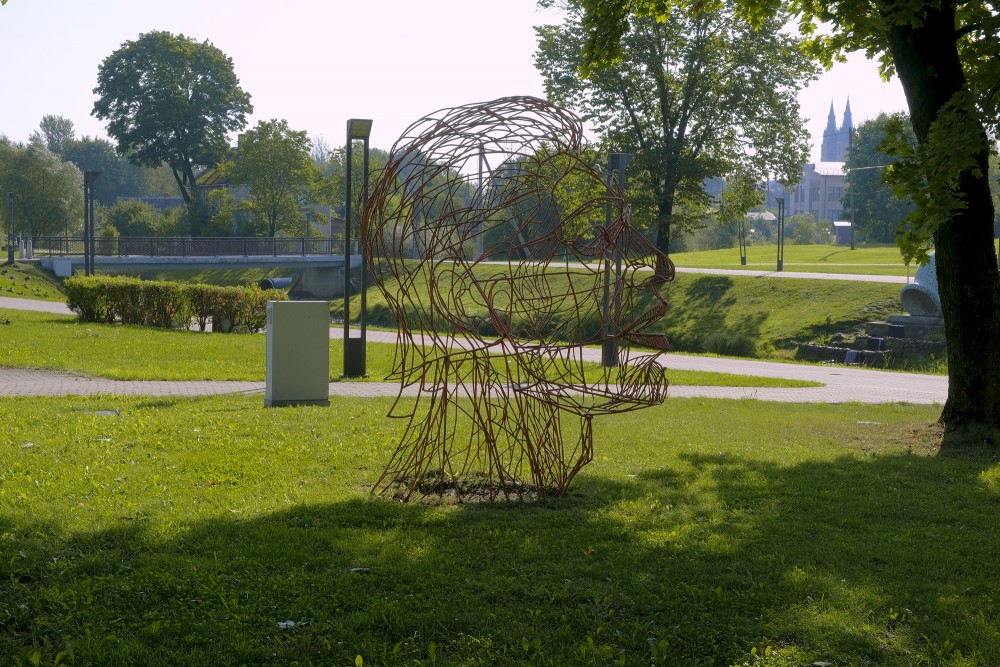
(696, 95)
(947, 56)
(48, 192)
(170, 99)
(274, 163)
(334, 186)
(54, 132)
(878, 211)
(119, 177)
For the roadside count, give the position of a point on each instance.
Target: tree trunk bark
(928, 64)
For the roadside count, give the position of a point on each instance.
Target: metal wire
(494, 243)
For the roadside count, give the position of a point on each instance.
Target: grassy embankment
(762, 316)
(875, 260)
(766, 313)
(59, 342)
(214, 531)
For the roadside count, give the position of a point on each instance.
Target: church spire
(828, 148)
(848, 121)
(831, 121)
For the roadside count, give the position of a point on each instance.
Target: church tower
(837, 140)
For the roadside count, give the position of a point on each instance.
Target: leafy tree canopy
(694, 94)
(48, 193)
(133, 218)
(54, 133)
(170, 99)
(274, 163)
(878, 212)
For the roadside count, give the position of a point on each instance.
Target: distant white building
(823, 184)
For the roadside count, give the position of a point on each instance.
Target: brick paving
(841, 384)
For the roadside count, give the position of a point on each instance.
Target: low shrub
(203, 300)
(162, 303)
(86, 296)
(729, 344)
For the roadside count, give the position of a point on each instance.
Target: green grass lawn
(59, 342)
(224, 277)
(213, 531)
(27, 281)
(878, 260)
(769, 312)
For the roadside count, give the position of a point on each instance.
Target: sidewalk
(841, 384)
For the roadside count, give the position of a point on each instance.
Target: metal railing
(159, 246)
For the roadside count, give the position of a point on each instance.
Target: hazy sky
(319, 63)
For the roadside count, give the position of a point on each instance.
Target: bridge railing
(160, 246)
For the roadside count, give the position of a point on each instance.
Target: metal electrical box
(298, 353)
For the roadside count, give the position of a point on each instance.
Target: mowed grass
(875, 260)
(213, 531)
(772, 313)
(61, 343)
(26, 281)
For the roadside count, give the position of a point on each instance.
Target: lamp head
(359, 128)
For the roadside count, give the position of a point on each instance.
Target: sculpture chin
(641, 383)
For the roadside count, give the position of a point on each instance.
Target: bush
(729, 344)
(204, 300)
(133, 218)
(161, 303)
(86, 297)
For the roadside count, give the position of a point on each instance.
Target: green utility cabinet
(298, 353)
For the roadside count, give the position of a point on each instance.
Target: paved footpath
(841, 384)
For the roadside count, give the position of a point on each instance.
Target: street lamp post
(850, 190)
(617, 162)
(781, 232)
(10, 227)
(354, 348)
(89, 242)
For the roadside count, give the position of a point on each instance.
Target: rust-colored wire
(487, 234)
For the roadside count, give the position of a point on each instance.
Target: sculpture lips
(647, 318)
(655, 341)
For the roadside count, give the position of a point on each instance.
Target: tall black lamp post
(617, 162)
(354, 348)
(781, 232)
(850, 190)
(10, 227)
(89, 242)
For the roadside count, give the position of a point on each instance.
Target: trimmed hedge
(159, 303)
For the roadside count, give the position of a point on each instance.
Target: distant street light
(617, 162)
(10, 227)
(781, 232)
(354, 348)
(89, 241)
(850, 189)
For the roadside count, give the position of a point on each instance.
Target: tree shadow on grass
(886, 560)
(707, 309)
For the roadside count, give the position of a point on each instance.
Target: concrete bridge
(318, 274)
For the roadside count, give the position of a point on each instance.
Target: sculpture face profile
(487, 234)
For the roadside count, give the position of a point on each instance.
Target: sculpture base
(913, 327)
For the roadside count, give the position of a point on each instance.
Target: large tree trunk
(927, 61)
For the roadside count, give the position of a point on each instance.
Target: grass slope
(27, 281)
(877, 260)
(59, 342)
(771, 312)
(214, 531)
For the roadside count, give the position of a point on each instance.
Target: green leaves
(170, 99)
(48, 197)
(878, 210)
(688, 88)
(274, 163)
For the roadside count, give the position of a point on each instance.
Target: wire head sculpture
(487, 234)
